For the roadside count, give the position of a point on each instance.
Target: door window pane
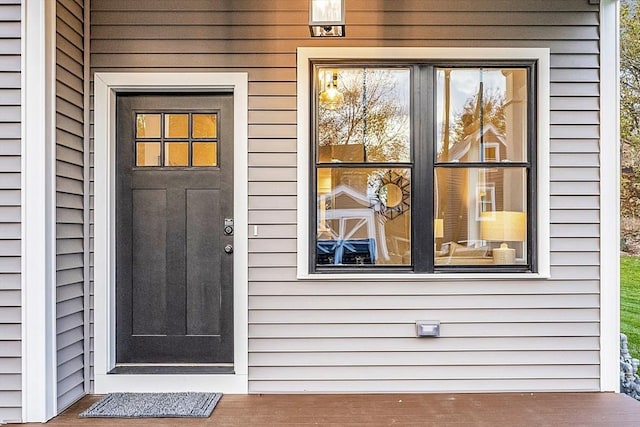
(148, 125)
(363, 216)
(205, 126)
(481, 114)
(176, 126)
(148, 154)
(176, 154)
(363, 115)
(204, 154)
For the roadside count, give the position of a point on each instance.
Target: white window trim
(609, 196)
(106, 86)
(308, 54)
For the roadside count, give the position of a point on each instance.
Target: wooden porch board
(503, 409)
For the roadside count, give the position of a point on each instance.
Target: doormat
(153, 405)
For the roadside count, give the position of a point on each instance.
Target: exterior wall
(10, 227)
(337, 335)
(70, 201)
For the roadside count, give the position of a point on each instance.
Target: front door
(174, 230)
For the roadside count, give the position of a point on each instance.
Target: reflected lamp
(503, 226)
(326, 18)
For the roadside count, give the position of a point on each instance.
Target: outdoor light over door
(326, 18)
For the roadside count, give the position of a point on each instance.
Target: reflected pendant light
(331, 98)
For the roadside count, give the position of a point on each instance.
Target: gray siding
(70, 201)
(358, 336)
(10, 227)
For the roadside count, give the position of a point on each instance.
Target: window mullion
(423, 143)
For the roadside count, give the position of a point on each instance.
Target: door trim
(106, 86)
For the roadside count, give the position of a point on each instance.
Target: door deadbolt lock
(228, 249)
(228, 226)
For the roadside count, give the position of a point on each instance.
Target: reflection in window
(459, 163)
(481, 210)
(363, 216)
(481, 114)
(363, 212)
(370, 123)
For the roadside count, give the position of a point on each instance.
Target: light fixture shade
(503, 226)
(326, 18)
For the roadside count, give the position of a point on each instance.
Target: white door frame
(106, 86)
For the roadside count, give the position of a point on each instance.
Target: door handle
(228, 249)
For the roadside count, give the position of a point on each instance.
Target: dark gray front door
(174, 212)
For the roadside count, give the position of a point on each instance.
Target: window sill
(421, 277)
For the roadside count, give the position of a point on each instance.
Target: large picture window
(423, 167)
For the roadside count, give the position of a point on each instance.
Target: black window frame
(423, 164)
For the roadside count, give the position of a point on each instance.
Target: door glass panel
(204, 154)
(176, 126)
(148, 154)
(147, 125)
(176, 154)
(204, 126)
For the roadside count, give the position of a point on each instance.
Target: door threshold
(155, 368)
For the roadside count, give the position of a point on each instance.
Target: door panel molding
(107, 85)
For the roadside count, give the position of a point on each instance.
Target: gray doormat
(153, 405)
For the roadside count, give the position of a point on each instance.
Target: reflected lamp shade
(324, 181)
(326, 18)
(438, 228)
(503, 226)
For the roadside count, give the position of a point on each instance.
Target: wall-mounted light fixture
(326, 18)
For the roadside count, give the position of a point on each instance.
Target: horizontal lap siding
(359, 336)
(69, 202)
(10, 213)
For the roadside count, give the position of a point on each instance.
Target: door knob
(228, 249)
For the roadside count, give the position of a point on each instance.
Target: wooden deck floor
(504, 409)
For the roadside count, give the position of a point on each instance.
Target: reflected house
(349, 229)
(476, 190)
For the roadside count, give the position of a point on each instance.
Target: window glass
(363, 115)
(148, 125)
(176, 126)
(363, 216)
(453, 154)
(481, 115)
(176, 154)
(482, 215)
(204, 154)
(204, 125)
(148, 154)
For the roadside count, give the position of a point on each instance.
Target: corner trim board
(38, 211)
(609, 197)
